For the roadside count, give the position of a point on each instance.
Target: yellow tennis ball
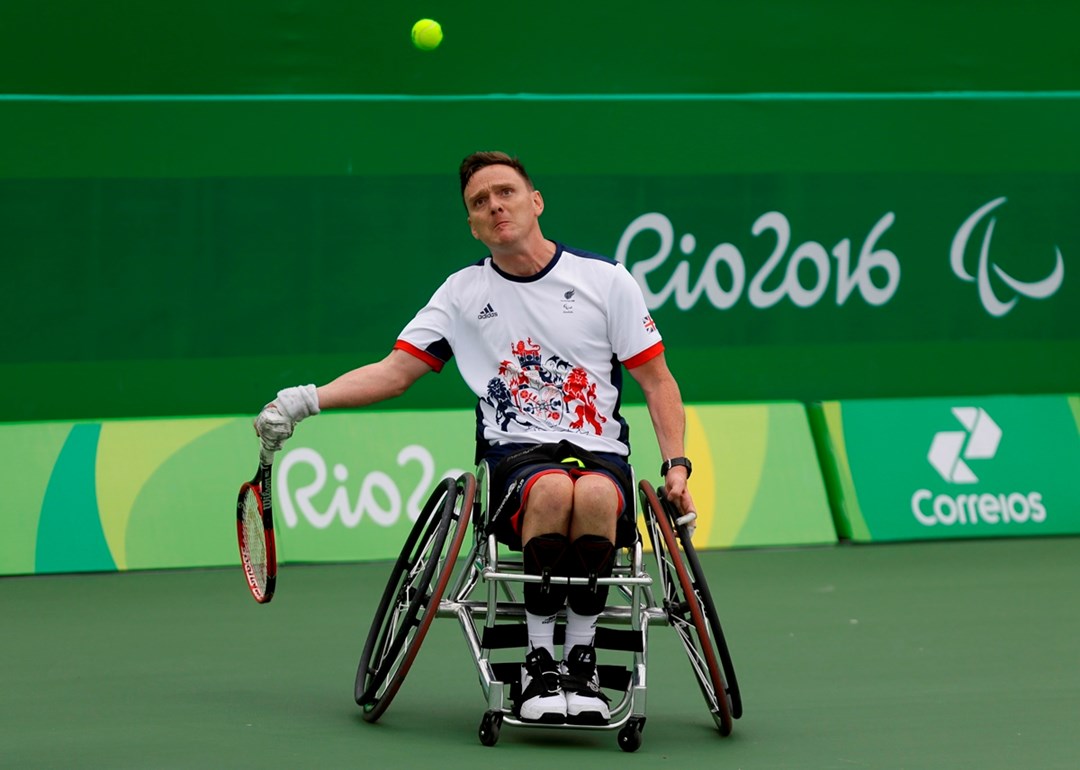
(427, 34)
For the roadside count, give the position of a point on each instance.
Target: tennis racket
(255, 531)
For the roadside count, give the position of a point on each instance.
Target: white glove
(278, 419)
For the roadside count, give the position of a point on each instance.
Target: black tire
(701, 587)
(411, 599)
(490, 726)
(630, 735)
(684, 609)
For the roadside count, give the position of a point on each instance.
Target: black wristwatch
(669, 464)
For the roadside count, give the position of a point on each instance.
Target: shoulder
(587, 258)
(472, 269)
(460, 286)
(469, 274)
(603, 271)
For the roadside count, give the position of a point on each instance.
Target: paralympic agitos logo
(1012, 289)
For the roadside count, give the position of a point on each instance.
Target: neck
(525, 262)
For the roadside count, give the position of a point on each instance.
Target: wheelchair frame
(416, 594)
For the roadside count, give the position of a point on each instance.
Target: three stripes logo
(487, 312)
(978, 441)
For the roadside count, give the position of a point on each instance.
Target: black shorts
(515, 467)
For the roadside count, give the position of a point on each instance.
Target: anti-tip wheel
(490, 726)
(630, 735)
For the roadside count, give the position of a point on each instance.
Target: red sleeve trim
(423, 355)
(648, 354)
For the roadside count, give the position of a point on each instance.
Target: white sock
(580, 629)
(541, 631)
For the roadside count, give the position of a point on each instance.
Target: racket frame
(262, 484)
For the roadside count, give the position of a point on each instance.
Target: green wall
(559, 46)
(189, 222)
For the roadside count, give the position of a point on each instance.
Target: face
(503, 211)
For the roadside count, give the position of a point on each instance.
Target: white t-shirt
(542, 353)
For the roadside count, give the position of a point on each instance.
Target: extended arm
(373, 383)
(366, 385)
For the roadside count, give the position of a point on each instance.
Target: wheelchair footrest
(504, 636)
(612, 677)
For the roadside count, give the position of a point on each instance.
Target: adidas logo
(487, 312)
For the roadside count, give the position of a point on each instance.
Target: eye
(478, 202)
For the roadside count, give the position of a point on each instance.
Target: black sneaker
(585, 703)
(542, 697)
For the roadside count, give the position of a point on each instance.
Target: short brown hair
(479, 160)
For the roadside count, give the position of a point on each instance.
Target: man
(541, 333)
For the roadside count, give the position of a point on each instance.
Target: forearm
(360, 387)
(372, 383)
(668, 417)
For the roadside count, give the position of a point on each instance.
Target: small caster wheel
(490, 726)
(630, 734)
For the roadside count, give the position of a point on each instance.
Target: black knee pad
(592, 556)
(546, 555)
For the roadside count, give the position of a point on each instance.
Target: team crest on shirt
(540, 393)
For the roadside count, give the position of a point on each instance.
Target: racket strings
(255, 538)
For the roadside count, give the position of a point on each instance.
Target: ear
(538, 202)
(472, 229)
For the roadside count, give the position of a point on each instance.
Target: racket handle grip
(266, 457)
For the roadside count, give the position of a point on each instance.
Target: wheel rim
(399, 627)
(701, 587)
(683, 607)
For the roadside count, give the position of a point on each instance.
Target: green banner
(885, 283)
(952, 468)
(148, 494)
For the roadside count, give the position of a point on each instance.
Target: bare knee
(549, 506)
(596, 506)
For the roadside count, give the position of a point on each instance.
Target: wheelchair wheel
(683, 605)
(701, 587)
(411, 599)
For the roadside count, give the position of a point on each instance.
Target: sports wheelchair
(423, 585)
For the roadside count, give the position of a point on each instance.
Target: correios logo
(979, 441)
(994, 304)
(950, 453)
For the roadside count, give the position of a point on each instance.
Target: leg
(597, 504)
(547, 507)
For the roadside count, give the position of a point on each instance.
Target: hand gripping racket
(255, 531)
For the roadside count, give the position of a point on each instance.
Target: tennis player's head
(478, 160)
(503, 205)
